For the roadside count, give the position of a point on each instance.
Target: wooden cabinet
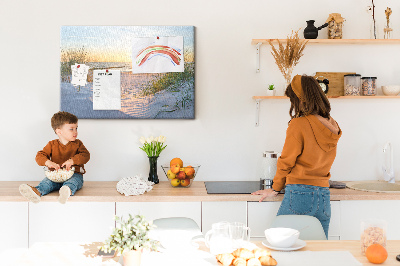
(354, 211)
(72, 222)
(13, 225)
(154, 210)
(218, 211)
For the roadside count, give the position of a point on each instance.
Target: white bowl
(391, 90)
(282, 237)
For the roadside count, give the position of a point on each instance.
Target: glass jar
(352, 85)
(373, 231)
(368, 86)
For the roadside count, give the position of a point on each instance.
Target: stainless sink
(375, 186)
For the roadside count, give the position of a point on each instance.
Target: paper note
(157, 54)
(79, 74)
(106, 90)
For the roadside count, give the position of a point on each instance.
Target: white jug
(218, 239)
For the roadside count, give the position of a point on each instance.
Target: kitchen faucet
(388, 174)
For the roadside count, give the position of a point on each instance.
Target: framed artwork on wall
(128, 72)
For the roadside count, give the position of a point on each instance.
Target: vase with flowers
(130, 238)
(288, 56)
(153, 147)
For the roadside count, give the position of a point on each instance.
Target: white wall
(222, 138)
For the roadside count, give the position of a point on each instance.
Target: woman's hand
(269, 192)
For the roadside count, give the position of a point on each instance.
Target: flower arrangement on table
(130, 235)
(153, 147)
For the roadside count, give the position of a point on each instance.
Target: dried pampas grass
(288, 57)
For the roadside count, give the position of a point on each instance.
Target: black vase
(153, 177)
(311, 32)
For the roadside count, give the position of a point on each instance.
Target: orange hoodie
(308, 153)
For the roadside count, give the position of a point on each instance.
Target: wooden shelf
(332, 41)
(331, 97)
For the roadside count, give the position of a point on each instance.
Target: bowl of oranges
(180, 174)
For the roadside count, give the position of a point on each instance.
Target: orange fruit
(176, 161)
(376, 253)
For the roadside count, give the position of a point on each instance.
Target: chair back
(310, 227)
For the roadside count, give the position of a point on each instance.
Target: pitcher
(218, 239)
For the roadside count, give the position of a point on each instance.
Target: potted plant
(129, 238)
(271, 90)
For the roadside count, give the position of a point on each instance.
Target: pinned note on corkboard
(336, 81)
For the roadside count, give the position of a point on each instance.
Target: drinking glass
(239, 233)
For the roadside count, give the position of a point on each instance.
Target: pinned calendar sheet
(106, 90)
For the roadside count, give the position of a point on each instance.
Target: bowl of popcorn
(60, 175)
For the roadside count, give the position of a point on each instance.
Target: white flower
(151, 138)
(162, 139)
(157, 139)
(142, 140)
(148, 140)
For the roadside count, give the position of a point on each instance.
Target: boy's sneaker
(65, 192)
(30, 193)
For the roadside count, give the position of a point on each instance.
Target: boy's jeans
(308, 200)
(74, 183)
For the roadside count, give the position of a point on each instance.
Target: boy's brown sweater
(307, 155)
(57, 152)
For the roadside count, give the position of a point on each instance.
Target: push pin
(78, 66)
(158, 38)
(106, 70)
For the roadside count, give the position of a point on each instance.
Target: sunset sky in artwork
(113, 43)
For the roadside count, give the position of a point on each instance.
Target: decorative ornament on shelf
(387, 30)
(153, 147)
(311, 32)
(129, 238)
(286, 58)
(335, 26)
(373, 31)
(271, 90)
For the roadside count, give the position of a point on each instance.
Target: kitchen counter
(105, 191)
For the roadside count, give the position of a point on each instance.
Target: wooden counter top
(105, 191)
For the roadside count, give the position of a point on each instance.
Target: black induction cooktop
(233, 187)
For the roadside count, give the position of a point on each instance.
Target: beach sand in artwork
(165, 104)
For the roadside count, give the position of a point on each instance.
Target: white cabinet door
(218, 211)
(260, 216)
(334, 225)
(355, 211)
(155, 210)
(72, 222)
(13, 225)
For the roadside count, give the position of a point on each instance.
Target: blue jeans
(308, 200)
(74, 183)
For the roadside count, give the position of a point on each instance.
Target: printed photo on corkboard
(128, 72)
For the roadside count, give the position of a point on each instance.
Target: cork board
(336, 81)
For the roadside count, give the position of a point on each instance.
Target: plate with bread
(246, 257)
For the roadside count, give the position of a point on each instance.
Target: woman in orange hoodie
(308, 153)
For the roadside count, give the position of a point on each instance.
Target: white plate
(298, 245)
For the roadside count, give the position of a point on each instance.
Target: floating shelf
(259, 98)
(259, 42)
(332, 41)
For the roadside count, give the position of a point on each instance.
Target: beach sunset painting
(156, 65)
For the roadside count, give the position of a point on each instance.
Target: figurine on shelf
(387, 30)
(335, 26)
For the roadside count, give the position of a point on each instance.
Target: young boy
(66, 151)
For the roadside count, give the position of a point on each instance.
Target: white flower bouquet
(153, 146)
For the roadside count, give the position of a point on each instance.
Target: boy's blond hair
(61, 118)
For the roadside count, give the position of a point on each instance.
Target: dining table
(86, 254)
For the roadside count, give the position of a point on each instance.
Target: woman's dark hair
(315, 100)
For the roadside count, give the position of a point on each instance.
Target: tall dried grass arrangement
(287, 57)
